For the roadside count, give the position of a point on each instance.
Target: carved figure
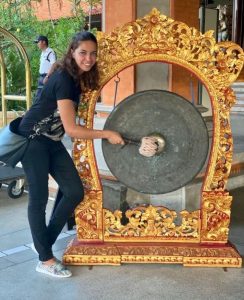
(223, 30)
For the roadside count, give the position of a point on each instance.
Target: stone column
(238, 28)
(238, 22)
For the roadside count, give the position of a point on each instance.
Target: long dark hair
(88, 80)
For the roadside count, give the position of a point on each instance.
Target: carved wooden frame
(158, 38)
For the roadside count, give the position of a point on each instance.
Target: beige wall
(143, 7)
(152, 75)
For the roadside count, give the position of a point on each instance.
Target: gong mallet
(149, 146)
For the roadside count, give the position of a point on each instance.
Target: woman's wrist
(105, 134)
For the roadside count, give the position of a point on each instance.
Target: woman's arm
(68, 117)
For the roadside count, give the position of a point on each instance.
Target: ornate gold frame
(202, 238)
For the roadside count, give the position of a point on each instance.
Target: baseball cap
(41, 38)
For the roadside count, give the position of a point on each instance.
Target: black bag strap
(49, 54)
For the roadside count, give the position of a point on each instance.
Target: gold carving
(216, 217)
(217, 65)
(165, 250)
(83, 152)
(88, 214)
(88, 217)
(115, 254)
(158, 36)
(222, 166)
(151, 223)
(100, 254)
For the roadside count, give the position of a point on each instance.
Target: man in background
(47, 59)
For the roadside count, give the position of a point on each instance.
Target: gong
(182, 140)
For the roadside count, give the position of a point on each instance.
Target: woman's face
(85, 55)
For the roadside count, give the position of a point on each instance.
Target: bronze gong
(180, 129)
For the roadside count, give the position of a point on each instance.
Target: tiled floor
(19, 281)
(15, 237)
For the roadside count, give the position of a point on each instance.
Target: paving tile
(240, 249)
(62, 235)
(5, 263)
(71, 232)
(14, 239)
(62, 244)
(15, 250)
(22, 256)
(2, 254)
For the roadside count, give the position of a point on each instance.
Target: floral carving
(151, 223)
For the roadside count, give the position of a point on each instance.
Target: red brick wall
(59, 10)
(42, 11)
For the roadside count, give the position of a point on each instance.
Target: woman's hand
(114, 137)
(45, 79)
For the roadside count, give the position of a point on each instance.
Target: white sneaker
(55, 270)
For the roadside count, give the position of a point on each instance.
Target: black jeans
(43, 157)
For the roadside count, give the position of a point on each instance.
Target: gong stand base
(191, 255)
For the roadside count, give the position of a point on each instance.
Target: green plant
(18, 18)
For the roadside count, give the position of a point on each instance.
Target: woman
(45, 123)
